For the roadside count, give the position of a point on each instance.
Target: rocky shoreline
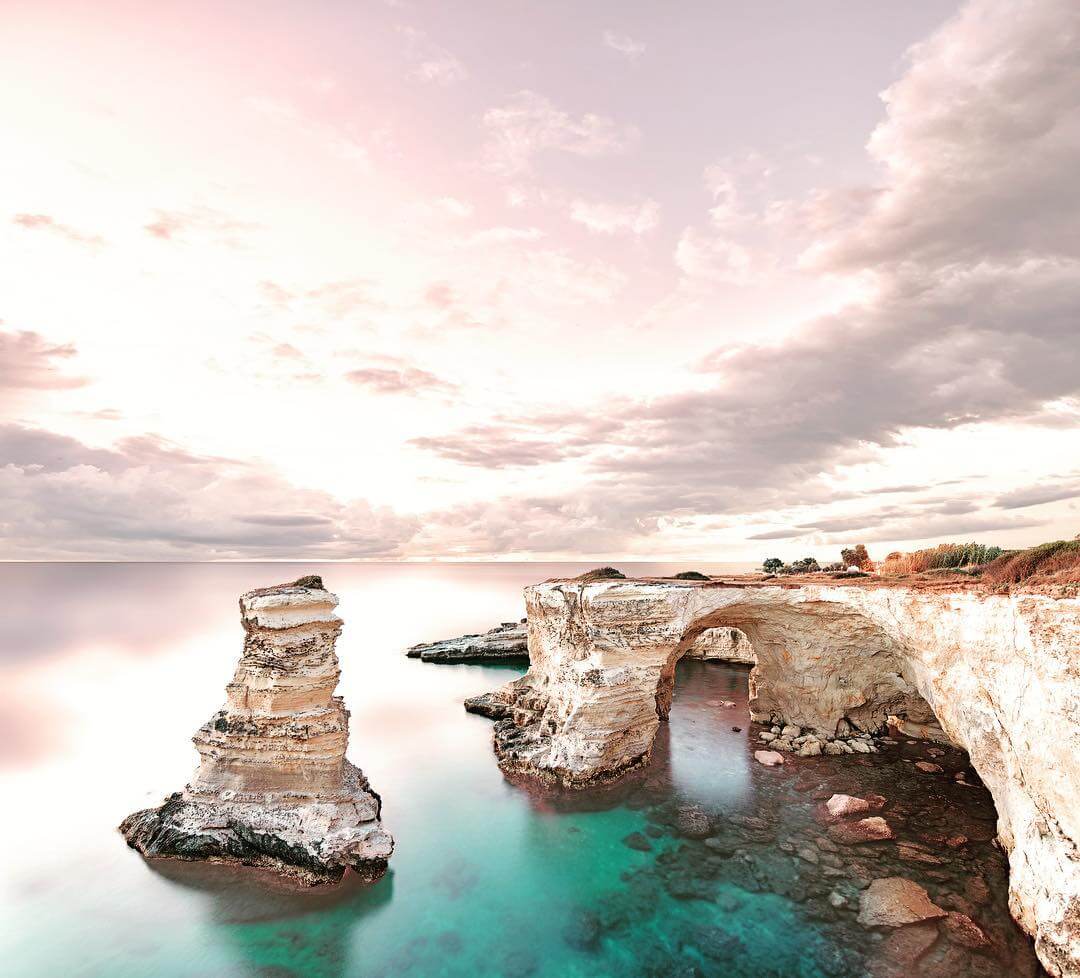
(506, 641)
(273, 788)
(842, 666)
(895, 866)
(509, 641)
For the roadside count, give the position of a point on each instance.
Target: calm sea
(106, 671)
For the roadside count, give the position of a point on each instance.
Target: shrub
(1058, 561)
(942, 557)
(601, 574)
(857, 557)
(691, 576)
(808, 565)
(772, 565)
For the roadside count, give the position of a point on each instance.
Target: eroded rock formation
(509, 640)
(273, 787)
(997, 674)
(723, 644)
(506, 641)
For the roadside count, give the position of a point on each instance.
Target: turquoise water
(108, 669)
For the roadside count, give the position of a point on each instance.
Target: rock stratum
(995, 674)
(273, 787)
(508, 640)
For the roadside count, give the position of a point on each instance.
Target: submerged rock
(842, 659)
(962, 930)
(873, 829)
(840, 806)
(635, 840)
(692, 822)
(894, 902)
(769, 758)
(273, 787)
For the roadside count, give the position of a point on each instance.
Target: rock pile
(273, 787)
(792, 740)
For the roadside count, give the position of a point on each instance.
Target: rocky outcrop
(506, 641)
(510, 641)
(273, 787)
(723, 644)
(996, 674)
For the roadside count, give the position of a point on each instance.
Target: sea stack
(273, 787)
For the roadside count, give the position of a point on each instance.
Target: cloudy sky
(583, 278)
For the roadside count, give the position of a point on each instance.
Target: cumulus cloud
(177, 225)
(29, 362)
(977, 138)
(146, 498)
(624, 44)
(713, 257)
(43, 222)
(432, 63)
(399, 380)
(1039, 495)
(607, 218)
(972, 253)
(530, 124)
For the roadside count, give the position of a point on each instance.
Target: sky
(560, 279)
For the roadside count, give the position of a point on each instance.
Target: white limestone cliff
(273, 787)
(996, 674)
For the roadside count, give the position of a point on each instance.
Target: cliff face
(273, 787)
(510, 640)
(724, 645)
(996, 674)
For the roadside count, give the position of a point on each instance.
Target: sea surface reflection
(106, 670)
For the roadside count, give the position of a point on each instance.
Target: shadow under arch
(820, 665)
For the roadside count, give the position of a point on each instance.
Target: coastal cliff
(997, 674)
(510, 641)
(273, 787)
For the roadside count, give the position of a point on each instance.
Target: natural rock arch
(1000, 672)
(817, 665)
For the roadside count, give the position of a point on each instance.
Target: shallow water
(106, 670)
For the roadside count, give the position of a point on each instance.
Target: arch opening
(816, 665)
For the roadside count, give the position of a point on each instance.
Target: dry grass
(1052, 563)
(945, 556)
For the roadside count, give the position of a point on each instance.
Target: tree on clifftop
(857, 557)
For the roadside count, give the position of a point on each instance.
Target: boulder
(769, 758)
(840, 806)
(962, 930)
(873, 829)
(894, 902)
(692, 822)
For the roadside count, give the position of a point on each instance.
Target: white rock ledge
(996, 674)
(273, 787)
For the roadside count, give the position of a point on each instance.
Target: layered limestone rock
(273, 787)
(510, 641)
(724, 645)
(997, 674)
(506, 641)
